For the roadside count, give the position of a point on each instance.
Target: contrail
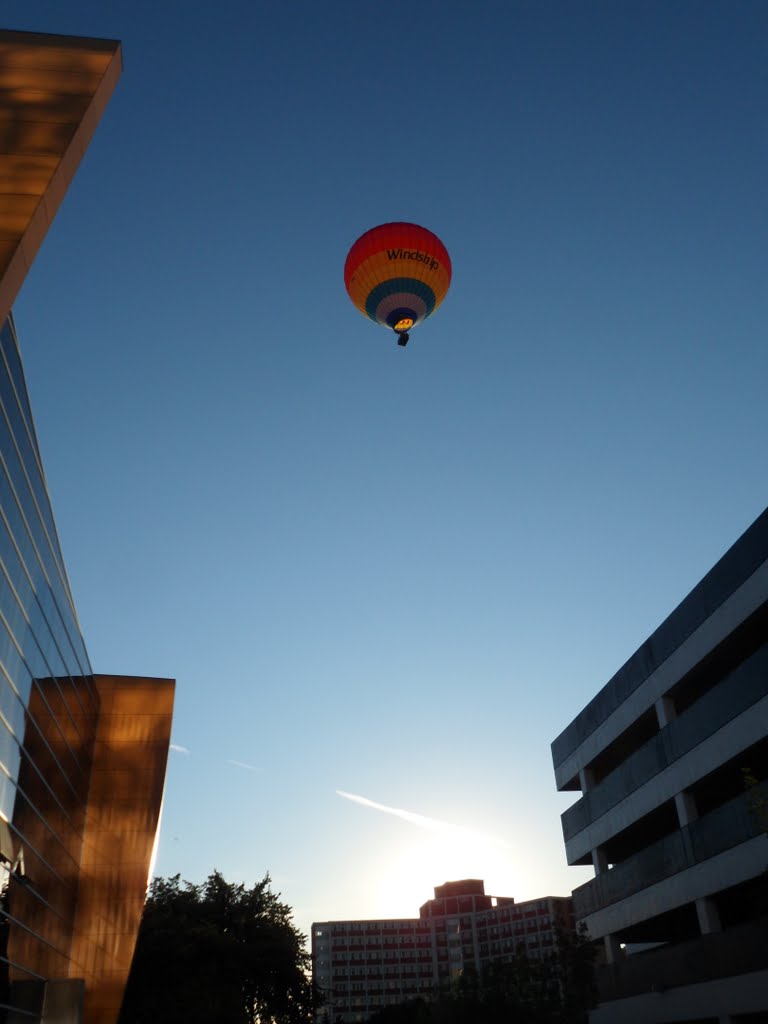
(420, 820)
(179, 749)
(242, 764)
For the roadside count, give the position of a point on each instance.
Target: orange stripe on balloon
(379, 267)
(397, 235)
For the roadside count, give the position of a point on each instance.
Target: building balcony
(726, 584)
(725, 722)
(727, 826)
(738, 691)
(740, 950)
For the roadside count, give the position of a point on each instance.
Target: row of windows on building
(498, 940)
(342, 955)
(391, 964)
(481, 928)
(529, 910)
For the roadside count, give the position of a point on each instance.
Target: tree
(218, 952)
(575, 958)
(557, 989)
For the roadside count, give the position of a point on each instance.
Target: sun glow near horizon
(405, 876)
(409, 876)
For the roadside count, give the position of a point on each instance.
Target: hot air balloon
(397, 275)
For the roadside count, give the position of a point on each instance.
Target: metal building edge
(82, 756)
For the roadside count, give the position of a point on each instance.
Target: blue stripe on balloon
(399, 284)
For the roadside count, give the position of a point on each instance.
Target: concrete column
(687, 811)
(709, 918)
(599, 860)
(586, 779)
(612, 949)
(665, 711)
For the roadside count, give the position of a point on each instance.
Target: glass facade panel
(48, 707)
(71, 887)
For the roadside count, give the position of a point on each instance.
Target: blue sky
(398, 573)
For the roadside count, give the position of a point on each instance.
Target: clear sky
(399, 573)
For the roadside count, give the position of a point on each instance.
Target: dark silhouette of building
(82, 756)
(363, 966)
(671, 761)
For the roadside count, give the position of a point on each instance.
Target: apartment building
(363, 966)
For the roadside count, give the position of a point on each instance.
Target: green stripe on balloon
(406, 285)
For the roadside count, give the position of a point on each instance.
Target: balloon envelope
(397, 274)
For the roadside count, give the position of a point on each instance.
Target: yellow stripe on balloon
(379, 267)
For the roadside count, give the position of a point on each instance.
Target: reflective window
(47, 703)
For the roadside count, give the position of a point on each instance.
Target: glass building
(82, 756)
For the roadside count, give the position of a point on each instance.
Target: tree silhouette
(218, 952)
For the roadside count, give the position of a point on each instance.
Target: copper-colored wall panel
(130, 754)
(48, 817)
(26, 173)
(16, 210)
(53, 90)
(25, 137)
(44, 105)
(56, 80)
(40, 50)
(90, 790)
